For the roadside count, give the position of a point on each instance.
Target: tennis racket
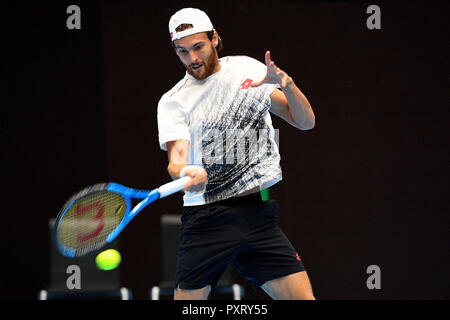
(96, 215)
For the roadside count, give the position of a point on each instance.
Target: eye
(182, 51)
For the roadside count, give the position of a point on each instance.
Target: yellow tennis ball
(108, 259)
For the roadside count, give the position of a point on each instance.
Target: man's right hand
(199, 178)
(178, 151)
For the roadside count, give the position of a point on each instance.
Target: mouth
(196, 67)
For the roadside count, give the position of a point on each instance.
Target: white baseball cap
(199, 20)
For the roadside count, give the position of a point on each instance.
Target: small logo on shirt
(298, 257)
(246, 84)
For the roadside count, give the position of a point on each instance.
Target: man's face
(198, 54)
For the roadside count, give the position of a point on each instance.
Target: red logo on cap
(171, 35)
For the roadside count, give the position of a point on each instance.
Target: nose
(192, 57)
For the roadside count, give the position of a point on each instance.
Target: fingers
(278, 71)
(267, 58)
(283, 82)
(280, 75)
(274, 74)
(269, 61)
(195, 188)
(199, 178)
(257, 83)
(271, 66)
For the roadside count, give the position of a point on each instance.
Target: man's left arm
(290, 104)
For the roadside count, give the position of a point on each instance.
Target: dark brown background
(368, 185)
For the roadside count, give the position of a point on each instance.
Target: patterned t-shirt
(228, 126)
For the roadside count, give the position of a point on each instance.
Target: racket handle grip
(172, 187)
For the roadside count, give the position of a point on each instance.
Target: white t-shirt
(228, 126)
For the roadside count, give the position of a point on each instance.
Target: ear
(174, 48)
(215, 39)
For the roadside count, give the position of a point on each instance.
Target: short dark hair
(210, 35)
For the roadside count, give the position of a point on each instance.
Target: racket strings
(90, 219)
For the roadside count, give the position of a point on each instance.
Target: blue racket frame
(127, 193)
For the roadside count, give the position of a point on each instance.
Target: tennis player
(216, 127)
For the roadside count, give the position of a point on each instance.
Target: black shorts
(243, 231)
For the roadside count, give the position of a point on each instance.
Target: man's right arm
(178, 153)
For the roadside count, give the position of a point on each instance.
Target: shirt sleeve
(172, 123)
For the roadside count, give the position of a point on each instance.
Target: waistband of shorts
(248, 199)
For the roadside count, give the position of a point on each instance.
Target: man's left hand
(274, 74)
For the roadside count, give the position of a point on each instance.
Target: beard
(207, 67)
